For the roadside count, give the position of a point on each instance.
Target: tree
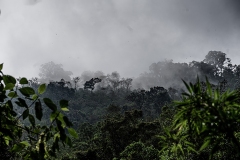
(139, 97)
(116, 134)
(91, 83)
(204, 69)
(75, 81)
(137, 150)
(126, 83)
(21, 134)
(53, 72)
(217, 59)
(156, 97)
(59, 90)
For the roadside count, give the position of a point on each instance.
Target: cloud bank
(125, 36)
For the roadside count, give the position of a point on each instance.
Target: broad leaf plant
(31, 140)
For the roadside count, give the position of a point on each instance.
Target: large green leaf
(64, 105)
(42, 88)
(20, 146)
(31, 119)
(60, 118)
(50, 104)
(53, 115)
(205, 144)
(25, 114)
(7, 139)
(34, 97)
(188, 87)
(56, 136)
(23, 81)
(38, 110)
(9, 79)
(25, 143)
(72, 132)
(67, 122)
(9, 86)
(12, 94)
(22, 103)
(27, 91)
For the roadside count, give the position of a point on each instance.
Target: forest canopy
(173, 111)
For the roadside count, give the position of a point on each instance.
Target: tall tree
(217, 59)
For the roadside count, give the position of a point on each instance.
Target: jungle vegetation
(174, 111)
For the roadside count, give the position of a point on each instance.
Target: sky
(114, 35)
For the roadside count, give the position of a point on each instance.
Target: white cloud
(124, 36)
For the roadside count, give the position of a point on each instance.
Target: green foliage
(23, 81)
(34, 121)
(64, 105)
(91, 83)
(110, 137)
(24, 140)
(204, 119)
(137, 150)
(152, 101)
(50, 104)
(42, 88)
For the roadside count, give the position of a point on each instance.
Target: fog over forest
(124, 36)
(120, 79)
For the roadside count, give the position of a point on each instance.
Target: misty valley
(173, 111)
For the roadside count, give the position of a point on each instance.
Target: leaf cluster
(203, 120)
(33, 141)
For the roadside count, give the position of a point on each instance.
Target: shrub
(30, 140)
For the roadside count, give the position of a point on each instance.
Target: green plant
(204, 119)
(137, 150)
(30, 140)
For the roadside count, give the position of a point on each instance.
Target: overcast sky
(114, 35)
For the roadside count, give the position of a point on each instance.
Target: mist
(107, 36)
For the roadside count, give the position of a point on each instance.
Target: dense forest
(173, 111)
